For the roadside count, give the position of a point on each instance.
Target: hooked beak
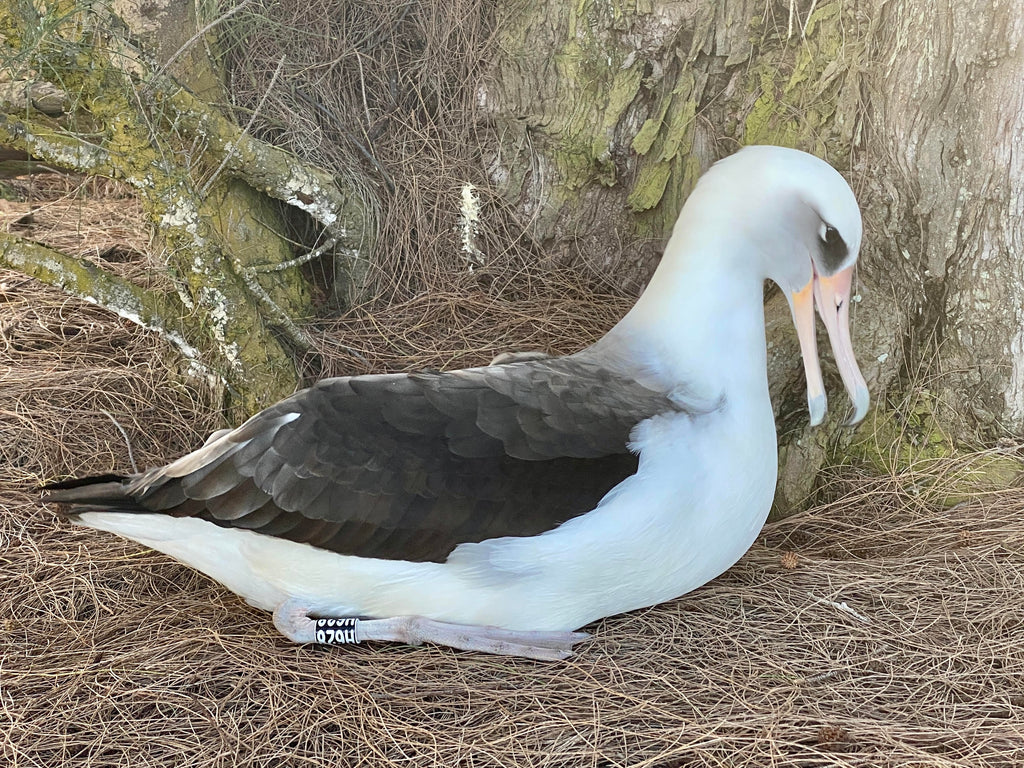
(832, 297)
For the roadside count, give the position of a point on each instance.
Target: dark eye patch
(833, 250)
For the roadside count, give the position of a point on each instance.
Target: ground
(879, 627)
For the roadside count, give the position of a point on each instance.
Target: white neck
(700, 322)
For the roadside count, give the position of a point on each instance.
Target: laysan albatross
(501, 508)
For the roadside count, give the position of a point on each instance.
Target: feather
(409, 466)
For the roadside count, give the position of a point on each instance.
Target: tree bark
(596, 120)
(947, 151)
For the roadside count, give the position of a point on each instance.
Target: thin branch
(124, 434)
(245, 131)
(188, 43)
(810, 12)
(49, 143)
(840, 607)
(298, 261)
(156, 312)
(275, 172)
(286, 325)
(362, 86)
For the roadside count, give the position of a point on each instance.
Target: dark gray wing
(409, 466)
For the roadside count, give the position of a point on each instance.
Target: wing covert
(408, 466)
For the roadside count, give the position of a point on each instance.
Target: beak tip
(861, 402)
(817, 406)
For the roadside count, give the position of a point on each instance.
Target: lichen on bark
(646, 98)
(203, 182)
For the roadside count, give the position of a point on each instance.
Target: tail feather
(98, 492)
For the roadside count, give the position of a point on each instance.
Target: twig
(840, 606)
(810, 11)
(286, 325)
(187, 44)
(298, 261)
(822, 677)
(127, 442)
(245, 131)
(362, 86)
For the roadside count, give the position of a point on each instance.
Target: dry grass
(878, 629)
(455, 329)
(387, 94)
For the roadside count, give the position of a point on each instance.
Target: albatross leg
(293, 621)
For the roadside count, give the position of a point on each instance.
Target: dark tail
(97, 492)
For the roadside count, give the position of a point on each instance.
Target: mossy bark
(603, 116)
(204, 183)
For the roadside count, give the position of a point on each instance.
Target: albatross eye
(833, 248)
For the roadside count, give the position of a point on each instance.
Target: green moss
(805, 98)
(667, 141)
(767, 122)
(211, 239)
(679, 131)
(893, 440)
(648, 132)
(912, 441)
(985, 473)
(649, 187)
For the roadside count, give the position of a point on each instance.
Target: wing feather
(265, 470)
(215, 479)
(240, 501)
(270, 520)
(266, 518)
(409, 466)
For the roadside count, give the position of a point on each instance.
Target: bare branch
(188, 43)
(276, 172)
(55, 146)
(246, 129)
(21, 95)
(158, 312)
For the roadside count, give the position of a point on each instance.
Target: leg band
(336, 631)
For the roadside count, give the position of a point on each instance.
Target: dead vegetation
(877, 629)
(389, 92)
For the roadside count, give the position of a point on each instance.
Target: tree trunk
(947, 150)
(594, 121)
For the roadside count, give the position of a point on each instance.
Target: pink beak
(832, 297)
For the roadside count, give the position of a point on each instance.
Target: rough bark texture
(598, 119)
(608, 115)
(947, 142)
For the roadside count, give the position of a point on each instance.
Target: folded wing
(408, 466)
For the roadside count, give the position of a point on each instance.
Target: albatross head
(805, 222)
